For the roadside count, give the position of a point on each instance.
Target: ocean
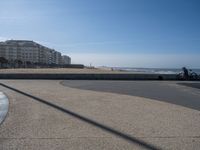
(153, 70)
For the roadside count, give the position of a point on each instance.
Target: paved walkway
(47, 115)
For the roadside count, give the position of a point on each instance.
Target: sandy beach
(58, 70)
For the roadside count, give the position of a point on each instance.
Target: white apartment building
(29, 51)
(66, 59)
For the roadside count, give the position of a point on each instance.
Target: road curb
(4, 105)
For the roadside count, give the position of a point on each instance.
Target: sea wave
(153, 70)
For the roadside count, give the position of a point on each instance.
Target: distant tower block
(66, 60)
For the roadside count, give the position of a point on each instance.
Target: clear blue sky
(134, 33)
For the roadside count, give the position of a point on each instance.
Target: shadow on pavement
(159, 91)
(87, 120)
(193, 85)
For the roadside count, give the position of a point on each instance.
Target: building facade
(66, 59)
(29, 51)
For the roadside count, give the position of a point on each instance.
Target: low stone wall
(91, 76)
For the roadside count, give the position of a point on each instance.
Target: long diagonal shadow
(120, 134)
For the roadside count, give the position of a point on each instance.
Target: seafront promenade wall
(89, 76)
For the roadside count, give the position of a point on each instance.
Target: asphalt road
(185, 94)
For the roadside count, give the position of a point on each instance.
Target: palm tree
(18, 62)
(3, 61)
(28, 64)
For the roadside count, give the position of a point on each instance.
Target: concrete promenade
(44, 114)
